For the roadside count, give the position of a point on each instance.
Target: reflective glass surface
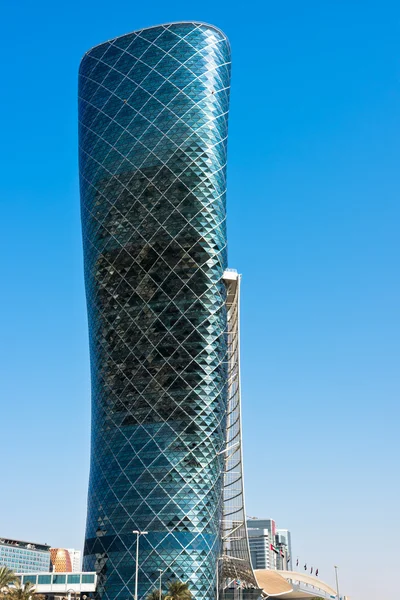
(153, 111)
(20, 558)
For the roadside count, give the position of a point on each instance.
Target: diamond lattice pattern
(153, 114)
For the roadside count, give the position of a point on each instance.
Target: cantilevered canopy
(292, 585)
(272, 583)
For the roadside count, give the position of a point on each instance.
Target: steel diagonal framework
(153, 130)
(153, 124)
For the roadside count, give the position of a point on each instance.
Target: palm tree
(7, 577)
(178, 590)
(21, 592)
(155, 595)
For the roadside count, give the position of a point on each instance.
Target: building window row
(58, 579)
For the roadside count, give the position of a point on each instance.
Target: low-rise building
(22, 556)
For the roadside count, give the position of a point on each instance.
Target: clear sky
(313, 201)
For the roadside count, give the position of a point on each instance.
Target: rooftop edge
(137, 31)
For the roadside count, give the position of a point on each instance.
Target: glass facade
(153, 118)
(23, 556)
(85, 581)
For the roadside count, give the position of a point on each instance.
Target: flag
(297, 562)
(316, 573)
(305, 567)
(289, 558)
(311, 571)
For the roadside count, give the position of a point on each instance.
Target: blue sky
(313, 202)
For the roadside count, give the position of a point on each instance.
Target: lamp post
(217, 576)
(337, 582)
(138, 534)
(69, 594)
(159, 584)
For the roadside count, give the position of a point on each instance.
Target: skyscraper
(260, 548)
(266, 529)
(153, 115)
(284, 538)
(270, 547)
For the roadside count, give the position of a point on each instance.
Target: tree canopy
(7, 577)
(178, 590)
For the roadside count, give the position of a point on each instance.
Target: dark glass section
(153, 112)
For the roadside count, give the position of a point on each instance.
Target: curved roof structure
(291, 584)
(309, 581)
(272, 583)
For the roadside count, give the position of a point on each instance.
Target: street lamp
(138, 534)
(217, 576)
(337, 582)
(69, 594)
(159, 585)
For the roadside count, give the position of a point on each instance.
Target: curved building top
(153, 28)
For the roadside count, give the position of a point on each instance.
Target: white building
(75, 559)
(260, 548)
(262, 526)
(270, 547)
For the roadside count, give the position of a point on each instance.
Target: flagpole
(337, 582)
